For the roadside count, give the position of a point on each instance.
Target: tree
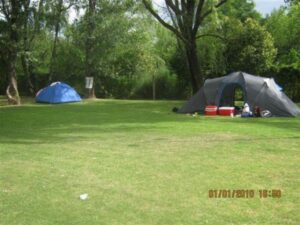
(57, 15)
(250, 48)
(240, 9)
(90, 42)
(186, 17)
(292, 2)
(116, 50)
(31, 27)
(212, 50)
(283, 24)
(12, 11)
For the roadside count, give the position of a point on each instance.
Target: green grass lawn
(142, 164)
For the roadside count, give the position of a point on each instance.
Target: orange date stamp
(244, 193)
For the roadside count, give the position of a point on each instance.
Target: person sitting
(246, 111)
(257, 111)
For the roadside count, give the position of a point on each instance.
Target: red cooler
(226, 111)
(211, 110)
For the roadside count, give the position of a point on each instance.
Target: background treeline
(129, 54)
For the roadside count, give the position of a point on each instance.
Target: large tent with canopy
(257, 91)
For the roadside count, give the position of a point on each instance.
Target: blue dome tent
(57, 92)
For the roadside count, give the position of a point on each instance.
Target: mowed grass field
(142, 164)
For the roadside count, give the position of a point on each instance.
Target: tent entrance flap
(228, 93)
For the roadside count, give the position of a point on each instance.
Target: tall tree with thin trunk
(185, 19)
(26, 42)
(89, 45)
(12, 11)
(60, 7)
(31, 27)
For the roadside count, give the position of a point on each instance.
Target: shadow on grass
(38, 124)
(289, 123)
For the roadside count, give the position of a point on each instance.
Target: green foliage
(289, 77)
(241, 10)
(291, 59)
(126, 52)
(250, 48)
(211, 56)
(130, 48)
(284, 26)
(39, 57)
(165, 85)
(292, 2)
(3, 55)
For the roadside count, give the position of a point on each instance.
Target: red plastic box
(211, 110)
(226, 111)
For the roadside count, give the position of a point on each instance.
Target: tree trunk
(89, 71)
(186, 17)
(193, 65)
(153, 87)
(25, 59)
(89, 46)
(12, 92)
(53, 54)
(37, 17)
(56, 31)
(28, 72)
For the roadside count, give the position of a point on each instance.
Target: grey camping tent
(257, 91)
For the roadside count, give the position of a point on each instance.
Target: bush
(165, 85)
(288, 77)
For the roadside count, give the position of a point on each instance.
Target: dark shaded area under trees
(130, 54)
